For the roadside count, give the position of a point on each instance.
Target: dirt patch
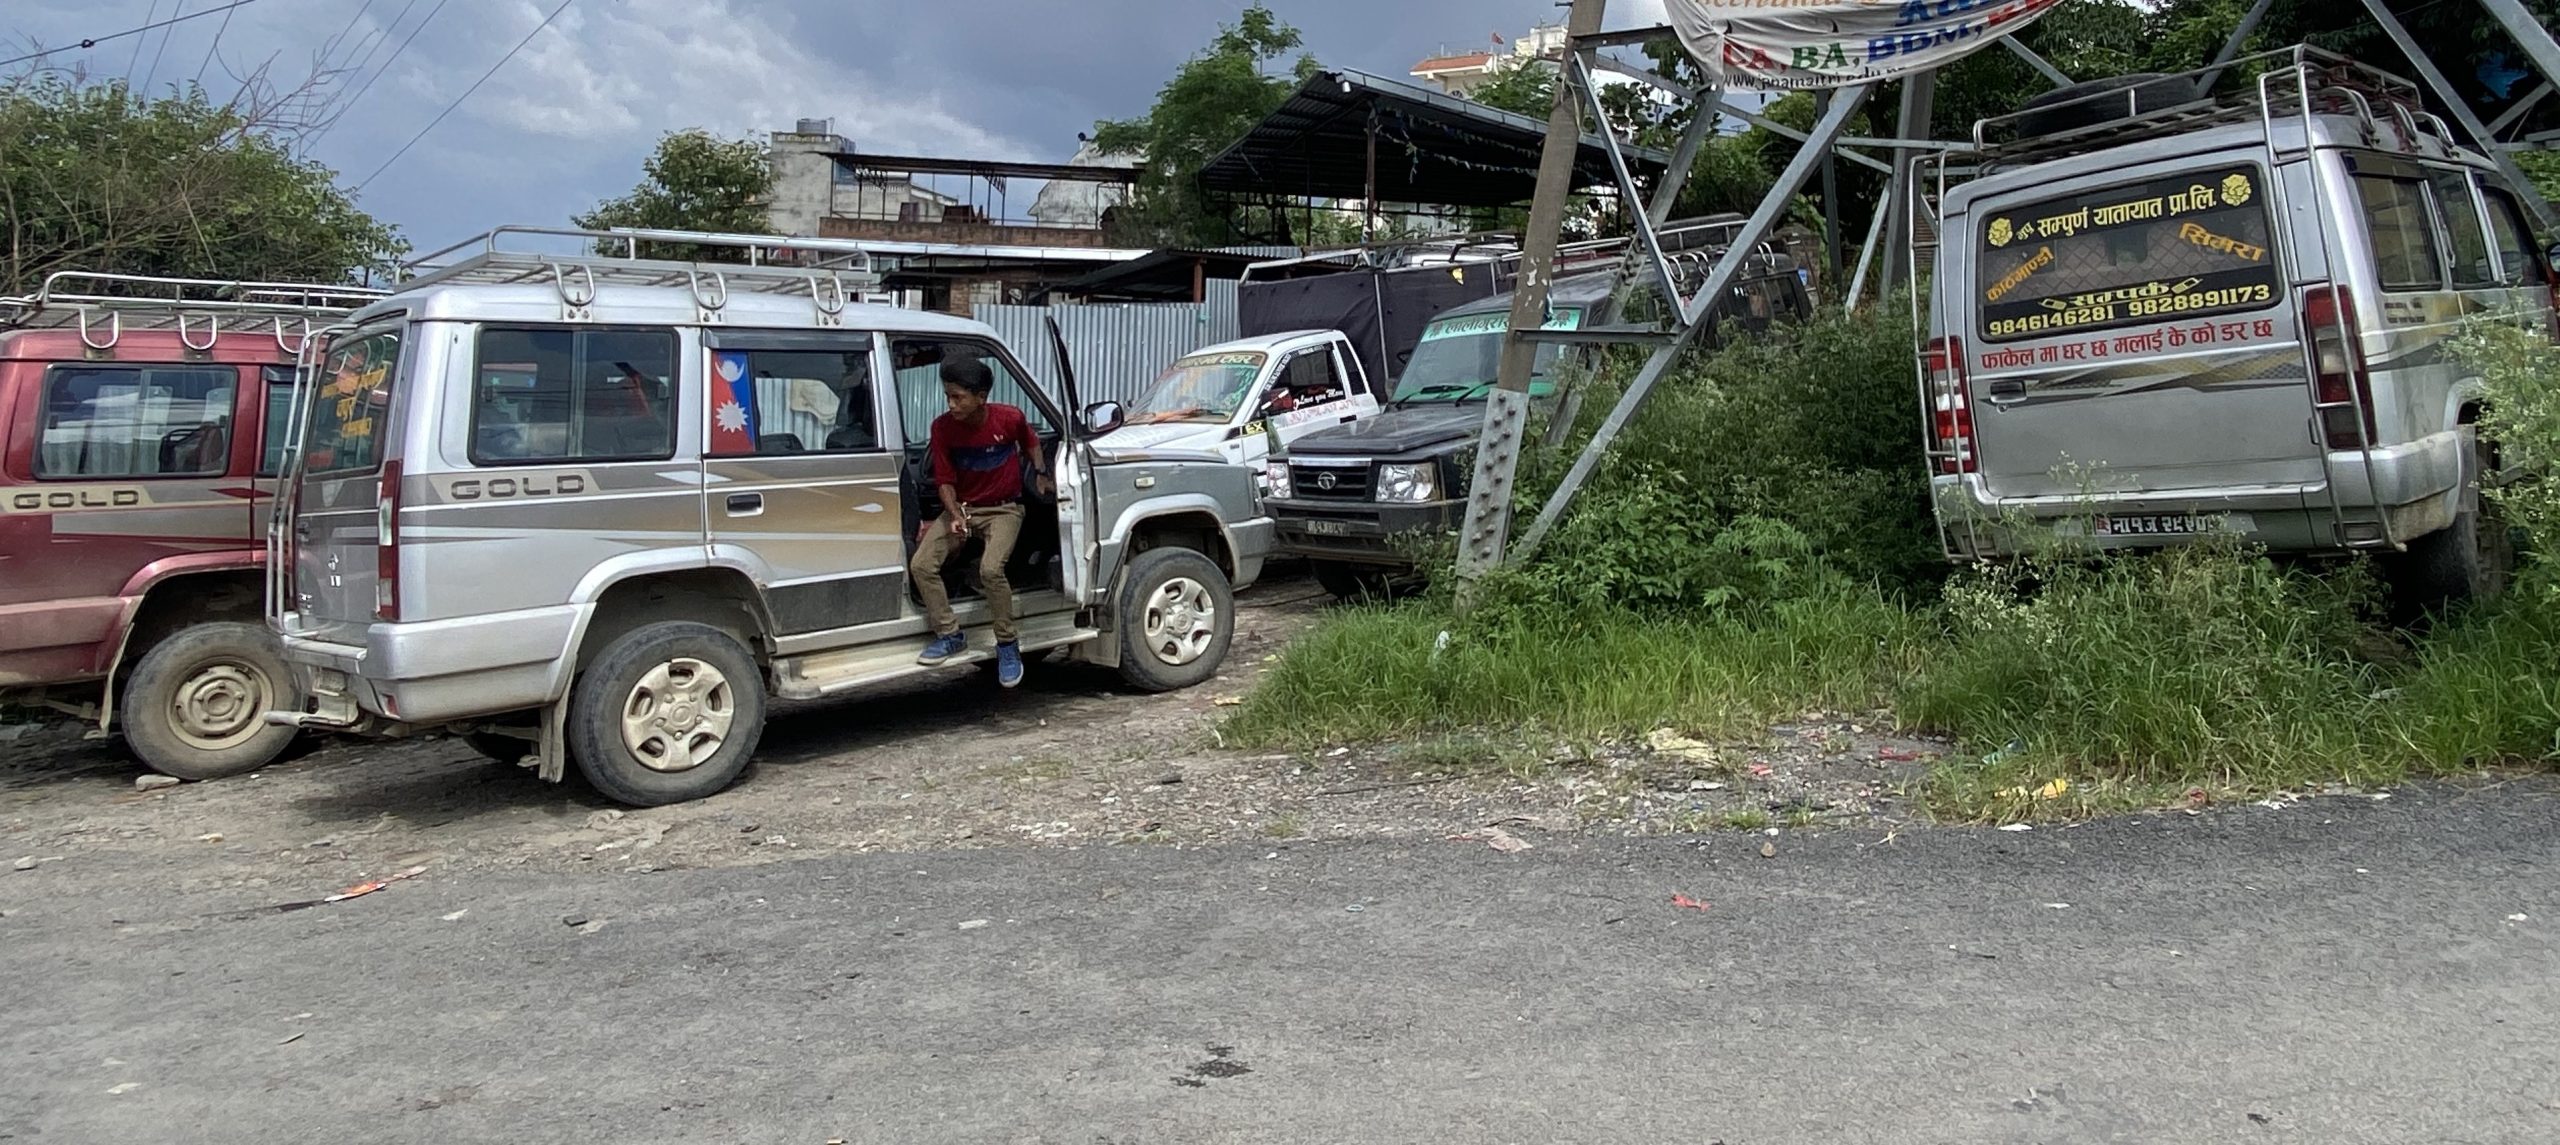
(1071, 759)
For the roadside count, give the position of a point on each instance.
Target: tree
(1212, 101)
(94, 177)
(694, 181)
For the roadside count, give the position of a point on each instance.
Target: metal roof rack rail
(103, 305)
(2243, 90)
(831, 273)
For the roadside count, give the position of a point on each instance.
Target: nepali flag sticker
(733, 403)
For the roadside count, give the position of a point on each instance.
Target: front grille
(1350, 482)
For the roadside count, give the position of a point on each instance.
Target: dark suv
(1354, 499)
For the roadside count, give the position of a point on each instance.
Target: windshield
(351, 394)
(1208, 387)
(1458, 358)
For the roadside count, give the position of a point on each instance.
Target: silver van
(2161, 312)
(598, 509)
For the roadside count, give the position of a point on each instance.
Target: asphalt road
(2344, 970)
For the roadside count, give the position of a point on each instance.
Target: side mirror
(1103, 417)
(2551, 259)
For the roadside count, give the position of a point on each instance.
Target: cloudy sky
(566, 121)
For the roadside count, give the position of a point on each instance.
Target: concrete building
(1462, 73)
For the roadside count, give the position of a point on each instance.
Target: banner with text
(1800, 44)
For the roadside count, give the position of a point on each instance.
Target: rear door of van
(2130, 331)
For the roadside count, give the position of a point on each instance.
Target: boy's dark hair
(969, 374)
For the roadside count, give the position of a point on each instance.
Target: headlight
(1275, 480)
(1409, 483)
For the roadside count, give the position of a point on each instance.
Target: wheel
(1176, 615)
(195, 706)
(2056, 111)
(504, 749)
(669, 712)
(2468, 560)
(1350, 582)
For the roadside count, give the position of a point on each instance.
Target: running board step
(828, 673)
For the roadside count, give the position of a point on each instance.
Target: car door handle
(745, 504)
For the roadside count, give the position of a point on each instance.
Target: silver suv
(2161, 312)
(599, 509)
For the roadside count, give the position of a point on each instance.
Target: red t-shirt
(983, 462)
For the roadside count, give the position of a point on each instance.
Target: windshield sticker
(2038, 261)
(2173, 337)
(2168, 249)
(1234, 358)
(2153, 202)
(1494, 323)
(2247, 252)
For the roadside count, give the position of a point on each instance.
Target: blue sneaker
(1008, 664)
(942, 649)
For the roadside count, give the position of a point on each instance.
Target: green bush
(2520, 372)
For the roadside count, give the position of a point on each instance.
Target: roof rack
(2288, 81)
(831, 273)
(102, 306)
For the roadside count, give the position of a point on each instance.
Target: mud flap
(551, 744)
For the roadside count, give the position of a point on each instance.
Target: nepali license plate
(2167, 524)
(1329, 528)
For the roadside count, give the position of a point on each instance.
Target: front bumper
(1359, 532)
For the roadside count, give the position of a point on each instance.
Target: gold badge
(2236, 190)
(2000, 232)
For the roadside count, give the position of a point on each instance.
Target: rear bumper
(441, 671)
(1359, 532)
(2408, 491)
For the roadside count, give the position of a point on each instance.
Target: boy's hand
(959, 526)
(1048, 486)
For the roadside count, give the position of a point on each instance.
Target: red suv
(141, 423)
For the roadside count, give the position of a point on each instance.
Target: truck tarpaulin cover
(1382, 312)
(1796, 44)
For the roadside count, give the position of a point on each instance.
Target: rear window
(2404, 240)
(2472, 265)
(2516, 254)
(2185, 246)
(136, 421)
(351, 404)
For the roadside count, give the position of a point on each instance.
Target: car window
(136, 421)
(550, 395)
(277, 425)
(781, 402)
(918, 362)
(351, 404)
(2516, 257)
(1309, 377)
(2470, 242)
(2182, 246)
(2404, 240)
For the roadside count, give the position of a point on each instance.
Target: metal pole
(2529, 34)
(2039, 63)
(1369, 188)
(1830, 201)
(2522, 107)
(1919, 106)
(2481, 136)
(1693, 139)
(1728, 267)
(1506, 413)
(2240, 34)
(1867, 255)
(1627, 197)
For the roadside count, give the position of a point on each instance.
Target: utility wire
(466, 94)
(215, 48)
(379, 72)
(154, 73)
(136, 61)
(94, 41)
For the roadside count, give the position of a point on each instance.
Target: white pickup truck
(1229, 398)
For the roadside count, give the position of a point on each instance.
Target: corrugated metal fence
(1117, 348)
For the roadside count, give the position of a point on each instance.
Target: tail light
(386, 544)
(1952, 415)
(2339, 381)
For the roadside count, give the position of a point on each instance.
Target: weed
(1289, 825)
(1747, 819)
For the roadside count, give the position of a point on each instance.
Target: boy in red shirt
(975, 453)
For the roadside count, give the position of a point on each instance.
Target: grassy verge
(2134, 682)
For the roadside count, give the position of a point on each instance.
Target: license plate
(2164, 524)
(1329, 528)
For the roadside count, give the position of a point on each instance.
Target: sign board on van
(1792, 45)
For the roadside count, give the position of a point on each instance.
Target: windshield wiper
(1465, 391)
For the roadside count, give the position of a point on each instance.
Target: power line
(154, 73)
(94, 41)
(379, 72)
(136, 61)
(215, 48)
(466, 94)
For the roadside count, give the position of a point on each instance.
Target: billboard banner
(1789, 45)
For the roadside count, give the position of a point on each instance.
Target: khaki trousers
(999, 526)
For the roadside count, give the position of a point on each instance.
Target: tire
(2055, 112)
(195, 705)
(1176, 615)
(2470, 560)
(1352, 583)
(694, 675)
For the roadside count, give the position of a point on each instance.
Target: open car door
(1079, 545)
